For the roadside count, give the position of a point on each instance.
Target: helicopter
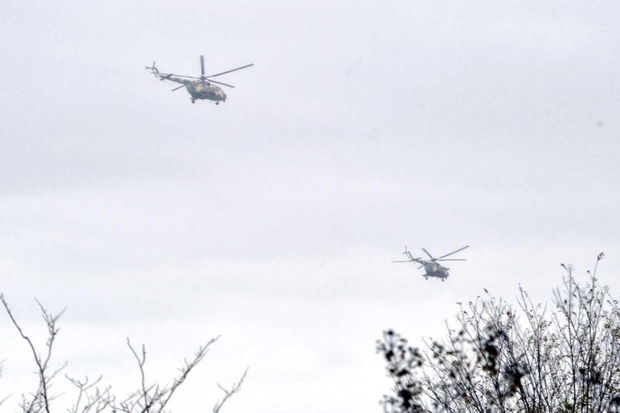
(202, 87)
(432, 268)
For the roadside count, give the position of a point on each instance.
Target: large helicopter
(198, 87)
(432, 268)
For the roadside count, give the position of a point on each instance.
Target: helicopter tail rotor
(409, 255)
(153, 69)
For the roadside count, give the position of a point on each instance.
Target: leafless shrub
(90, 397)
(502, 359)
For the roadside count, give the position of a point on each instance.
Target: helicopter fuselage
(205, 91)
(434, 269)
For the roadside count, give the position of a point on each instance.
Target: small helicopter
(198, 87)
(432, 268)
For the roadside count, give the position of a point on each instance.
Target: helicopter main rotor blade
(451, 259)
(202, 66)
(402, 261)
(183, 76)
(454, 252)
(166, 76)
(177, 88)
(231, 70)
(428, 253)
(219, 83)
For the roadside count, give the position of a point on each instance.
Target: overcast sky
(364, 126)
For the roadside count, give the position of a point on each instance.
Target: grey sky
(272, 219)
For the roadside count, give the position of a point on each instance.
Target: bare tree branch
(228, 393)
(5, 398)
(153, 398)
(40, 399)
(90, 399)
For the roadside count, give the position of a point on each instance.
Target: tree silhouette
(505, 359)
(149, 396)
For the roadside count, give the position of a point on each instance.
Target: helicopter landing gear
(217, 102)
(193, 100)
(443, 279)
(426, 278)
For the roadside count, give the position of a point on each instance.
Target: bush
(90, 397)
(506, 359)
